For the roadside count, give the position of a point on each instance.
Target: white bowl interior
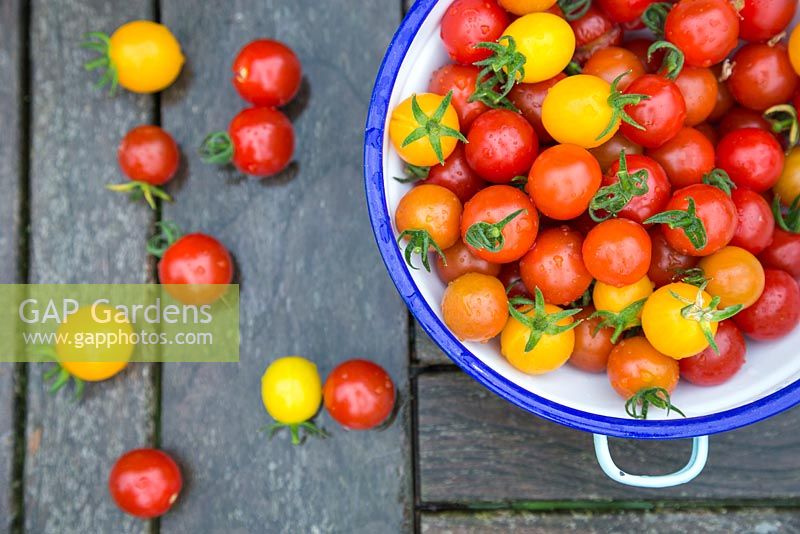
(769, 367)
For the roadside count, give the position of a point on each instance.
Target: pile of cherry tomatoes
(629, 205)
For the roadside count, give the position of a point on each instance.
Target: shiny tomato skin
(263, 141)
(738, 118)
(705, 30)
(502, 145)
(145, 482)
(714, 208)
(617, 252)
(555, 266)
(662, 115)
(492, 205)
(752, 158)
(783, 252)
(475, 307)
(591, 349)
(611, 62)
(710, 368)
(200, 262)
(528, 98)
(148, 154)
(686, 158)
(776, 312)
(724, 100)
(640, 47)
(456, 175)
(267, 73)
(624, 10)
(607, 154)
(709, 131)
(593, 31)
(643, 206)
(469, 22)
(699, 88)
(461, 261)
(510, 278)
(461, 80)
(665, 261)
(754, 221)
(762, 76)
(762, 19)
(563, 180)
(359, 394)
(634, 364)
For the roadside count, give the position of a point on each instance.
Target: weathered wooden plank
(10, 118)
(426, 351)
(474, 446)
(312, 282)
(82, 233)
(668, 522)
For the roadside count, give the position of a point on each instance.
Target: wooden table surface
(456, 459)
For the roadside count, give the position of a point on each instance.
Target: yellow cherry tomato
(666, 325)
(734, 275)
(434, 138)
(523, 7)
(141, 56)
(788, 186)
(576, 111)
(94, 343)
(291, 390)
(794, 49)
(550, 353)
(546, 41)
(614, 299)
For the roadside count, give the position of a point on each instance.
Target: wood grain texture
(426, 351)
(10, 119)
(474, 446)
(311, 279)
(82, 233)
(667, 522)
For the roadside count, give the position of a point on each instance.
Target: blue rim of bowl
(752, 412)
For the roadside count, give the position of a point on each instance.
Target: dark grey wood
(426, 351)
(82, 233)
(474, 446)
(668, 522)
(311, 279)
(10, 71)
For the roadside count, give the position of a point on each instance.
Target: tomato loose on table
(267, 73)
(666, 263)
(752, 158)
(686, 158)
(592, 343)
(754, 221)
(424, 129)
(359, 394)
(149, 157)
(528, 99)
(734, 275)
(469, 22)
(501, 145)
(711, 368)
(705, 30)
(555, 266)
(617, 252)
(563, 180)
(145, 482)
(291, 391)
(462, 81)
(475, 307)
(762, 76)
(776, 312)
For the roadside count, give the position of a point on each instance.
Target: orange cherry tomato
(617, 252)
(428, 217)
(591, 348)
(699, 88)
(458, 260)
(563, 180)
(608, 63)
(475, 307)
(734, 275)
(634, 365)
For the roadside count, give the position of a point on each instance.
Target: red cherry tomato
(359, 394)
(658, 192)
(563, 180)
(607, 154)
(461, 80)
(754, 221)
(617, 252)
(469, 22)
(528, 98)
(148, 154)
(752, 158)
(267, 73)
(456, 175)
(738, 118)
(762, 19)
(709, 131)
(705, 30)
(145, 482)
(593, 31)
(624, 10)
(713, 208)
(591, 348)
(724, 99)
(783, 252)
(699, 88)
(777, 310)
(461, 261)
(502, 145)
(634, 365)
(711, 368)
(201, 263)
(762, 76)
(640, 47)
(555, 266)
(662, 115)
(665, 261)
(494, 204)
(612, 62)
(686, 158)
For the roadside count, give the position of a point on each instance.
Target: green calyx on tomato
(611, 199)
(294, 428)
(687, 220)
(672, 64)
(540, 323)
(719, 179)
(137, 190)
(488, 236)
(573, 68)
(419, 242)
(574, 9)
(432, 127)
(655, 16)
(696, 310)
(791, 221)
(101, 43)
(57, 375)
(694, 276)
(503, 68)
(217, 148)
(519, 182)
(783, 119)
(167, 232)
(628, 317)
(617, 102)
(414, 173)
(638, 405)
